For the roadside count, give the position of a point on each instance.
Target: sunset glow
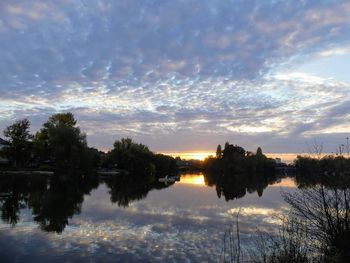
(195, 155)
(201, 155)
(195, 179)
(145, 130)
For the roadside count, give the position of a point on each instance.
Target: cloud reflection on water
(180, 222)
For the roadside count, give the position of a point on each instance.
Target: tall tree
(218, 152)
(61, 140)
(259, 153)
(19, 139)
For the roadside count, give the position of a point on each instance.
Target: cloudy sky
(181, 75)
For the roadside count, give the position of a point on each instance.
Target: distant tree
(19, 138)
(129, 155)
(218, 152)
(227, 144)
(233, 151)
(92, 158)
(211, 164)
(328, 165)
(234, 159)
(259, 152)
(136, 158)
(41, 145)
(61, 140)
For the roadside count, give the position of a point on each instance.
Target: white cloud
(146, 68)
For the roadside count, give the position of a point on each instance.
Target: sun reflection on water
(184, 222)
(193, 179)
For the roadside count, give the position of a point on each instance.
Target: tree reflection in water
(15, 193)
(54, 200)
(126, 188)
(235, 186)
(61, 200)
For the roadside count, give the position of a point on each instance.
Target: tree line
(234, 159)
(60, 144)
(329, 165)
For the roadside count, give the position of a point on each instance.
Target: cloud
(173, 68)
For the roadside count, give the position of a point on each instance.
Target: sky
(181, 75)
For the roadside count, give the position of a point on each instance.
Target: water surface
(111, 222)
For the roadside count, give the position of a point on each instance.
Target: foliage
(218, 152)
(91, 158)
(328, 165)
(61, 140)
(60, 144)
(335, 164)
(130, 156)
(136, 158)
(164, 164)
(236, 160)
(19, 138)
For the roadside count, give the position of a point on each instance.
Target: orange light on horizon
(195, 155)
(195, 179)
(201, 155)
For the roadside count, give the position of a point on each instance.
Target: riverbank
(27, 172)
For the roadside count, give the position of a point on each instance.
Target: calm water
(108, 222)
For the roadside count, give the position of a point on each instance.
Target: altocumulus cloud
(177, 75)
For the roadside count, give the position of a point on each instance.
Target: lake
(103, 220)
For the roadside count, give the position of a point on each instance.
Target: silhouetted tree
(327, 165)
(218, 152)
(19, 138)
(136, 158)
(232, 151)
(259, 153)
(61, 140)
